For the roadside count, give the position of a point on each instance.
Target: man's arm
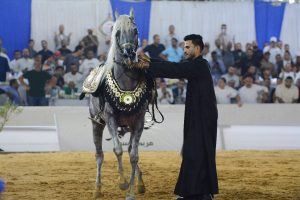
(188, 69)
(21, 79)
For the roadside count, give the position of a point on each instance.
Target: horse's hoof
(130, 197)
(97, 195)
(141, 189)
(124, 186)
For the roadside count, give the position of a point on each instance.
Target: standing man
(91, 42)
(154, 49)
(198, 175)
(60, 36)
(168, 38)
(37, 81)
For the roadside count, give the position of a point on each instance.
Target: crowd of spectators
(241, 75)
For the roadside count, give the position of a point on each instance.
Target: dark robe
(198, 173)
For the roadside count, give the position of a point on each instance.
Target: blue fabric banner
(15, 18)
(142, 9)
(268, 20)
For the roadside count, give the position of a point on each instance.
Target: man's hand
(143, 62)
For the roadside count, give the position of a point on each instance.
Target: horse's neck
(126, 79)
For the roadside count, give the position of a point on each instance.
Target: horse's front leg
(134, 156)
(113, 129)
(97, 134)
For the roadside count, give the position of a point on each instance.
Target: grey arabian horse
(118, 116)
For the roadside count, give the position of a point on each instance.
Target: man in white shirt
(168, 38)
(25, 63)
(287, 92)
(61, 36)
(231, 78)
(252, 93)
(224, 93)
(13, 63)
(73, 79)
(88, 64)
(273, 50)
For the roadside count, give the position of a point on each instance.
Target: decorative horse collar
(124, 100)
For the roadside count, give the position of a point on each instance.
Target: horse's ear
(131, 13)
(117, 15)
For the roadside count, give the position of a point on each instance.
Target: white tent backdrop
(290, 31)
(204, 18)
(76, 15)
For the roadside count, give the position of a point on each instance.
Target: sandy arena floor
(243, 175)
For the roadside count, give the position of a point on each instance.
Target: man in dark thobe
(198, 177)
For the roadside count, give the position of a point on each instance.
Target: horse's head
(125, 35)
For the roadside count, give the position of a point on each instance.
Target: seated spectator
(12, 91)
(227, 56)
(218, 49)
(252, 70)
(217, 67)
(155, 48)
(61, 36)
(102, 58)
(224, 93)
(179, 92)
(231, 78)
(252, 93)
(272, 49)
(45, 52)
(13, 63)
(64, 49)
(140, 49)
(238, 54)
(88, 64)
(59, 75)
(297, 62)
(257, 53)
(90, 42)
(205, 52)
(287, 71)
(37, 81)
(32, 51)
(172, 53)
(164, 94)
(73, 79)
(4, 68)
(168, 38)
(247, 61)
(287, 92)
(265, 63)
(73, 58)
(51, 63)
(25, 63)
(278, 66)
(287, 58)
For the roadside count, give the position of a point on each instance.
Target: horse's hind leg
(97, 134)
(112, 127)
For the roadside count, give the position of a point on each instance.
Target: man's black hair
(78, 47)
(196, 40)
(247, 75)
(174, 39)
(224, 79)
(289, 78)
(17, 51)
(12, 81)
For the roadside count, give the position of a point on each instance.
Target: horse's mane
(122, 24)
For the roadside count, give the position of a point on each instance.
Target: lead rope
(154, 105)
